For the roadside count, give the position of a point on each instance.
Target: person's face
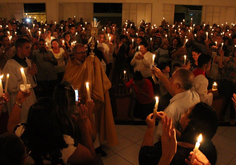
(108, 30)
(5, 41)
(195, 55)
(167, 69)
(72, 30)
(80, 54)
(41, 45)
(102, 38)
(175, 42)
(139, 40)
(184, 120)
(141, 33)
(25, 50)
(142, 49)
(55, 44)
(67, 37)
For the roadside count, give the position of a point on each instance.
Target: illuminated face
(55, 44)
(175, 42)
(80, 54)
(195, 55)
(142, 49)
(72, 30)
(25, 49)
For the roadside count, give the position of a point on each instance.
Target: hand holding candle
(88, 90)
(156, 106)
(197, 145)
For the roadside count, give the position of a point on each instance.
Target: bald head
(184, 78)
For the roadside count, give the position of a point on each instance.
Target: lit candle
(55, 23)
(163, 18)
(124, 73)
(76, 33)
(216, 43)
(153, 58)
(44, 30)
(6, 83)
(109, 39)
(63, 42)
(33, 26)
(98, 41)
(88, 91)
(151, 39)
(1, 89)
(222, 44)
(166, 35)
(207, 35)
(8, 32)
(185, 59)
(85, 23)
(185, 41)
(197, 145)
(83, 29)
(10, 37)
(214, 86)
(132, 42)
(156, 106)
(138, 48)
(39, 34)
(23, 76)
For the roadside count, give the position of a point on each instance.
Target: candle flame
(153, 57)
(199, 139)
(1, 76)
(87, 84)
(124, 71)
(157, 99)
(8, 75)
(22, 70)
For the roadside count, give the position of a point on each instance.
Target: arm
(200, 158)
(14, 117)
(148, 137)
(85, 151)
(164, 79)
(133, 61)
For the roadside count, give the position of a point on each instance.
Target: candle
(153, 58)
(63, 42)
(6, 83)
(109, 39)
(214, 86)
(39, 34)
(163, 18)
(55, 23)
(44, 30)
(88, 91)
(76, 33)
(185, 59)
(222, 44)
(186, 41)
(124, 73)
(197, 145)
(33, 26)
(8, 32)
(132, 42)
(83, 29)
(216, 43)
(1, 90)
(207, 35)
(98, 41)
(156, 106)
(10, 37)
(23, 76)
(151, 39)
(138, 48)
(166, 35)
(85, 23)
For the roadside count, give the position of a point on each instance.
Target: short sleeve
(67, 152)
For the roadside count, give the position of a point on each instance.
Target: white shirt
(143, 65)
(200, 85)
(179, 104)
(106, 51)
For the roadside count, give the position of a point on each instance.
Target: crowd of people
(179, 63)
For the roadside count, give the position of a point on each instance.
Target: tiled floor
(130, 138)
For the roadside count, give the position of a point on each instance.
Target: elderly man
(81, 69)
(179, 87)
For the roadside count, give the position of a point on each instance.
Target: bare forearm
(148, 138)
(14, 118)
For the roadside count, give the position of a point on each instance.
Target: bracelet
(17, 103)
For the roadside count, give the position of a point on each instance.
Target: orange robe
(92, 71)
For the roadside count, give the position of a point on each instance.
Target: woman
(61, 57)
(68, 46)
(201, 119)
(195, 54)
(48, 144)
(162, 53)
(64, 96)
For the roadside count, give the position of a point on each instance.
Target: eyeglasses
(81, 53)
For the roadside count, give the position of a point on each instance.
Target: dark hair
(20, 42)
(178, 40)
(41, 40)
(162, 65)
(176, 65)
(185, 78)
(53, 41)
(144, 43)
(197, 50)
(64, 96)
(203, 59)
(203, 119)
(122, 37)
(12, 150)
(138, 76)
(1, 38)
(43, 133)
(142, 38)
(71, 25)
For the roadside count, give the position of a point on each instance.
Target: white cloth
(143, 65)
(65, 152)
(200, 85)
(60, 59)
(13, 68)
(106, 53)
(179, 104)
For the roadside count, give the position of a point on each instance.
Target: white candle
(85, 23)
(153, 58)
(216, 43)
(63, 42)
(88, 91)
(23, 76)
(132, 42)
(39, 34)
(33, 26)
(151, 39)
(197, 145)
(156, 105)
(109, 39)
(6, 83)
(138, 48)
(185, 41)
(76, 33)
(166, 35)
(214, 86)
(1, 89)
(206, 35)
(124, 73)
(222, 44)
(10, 37)
(185, 59)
